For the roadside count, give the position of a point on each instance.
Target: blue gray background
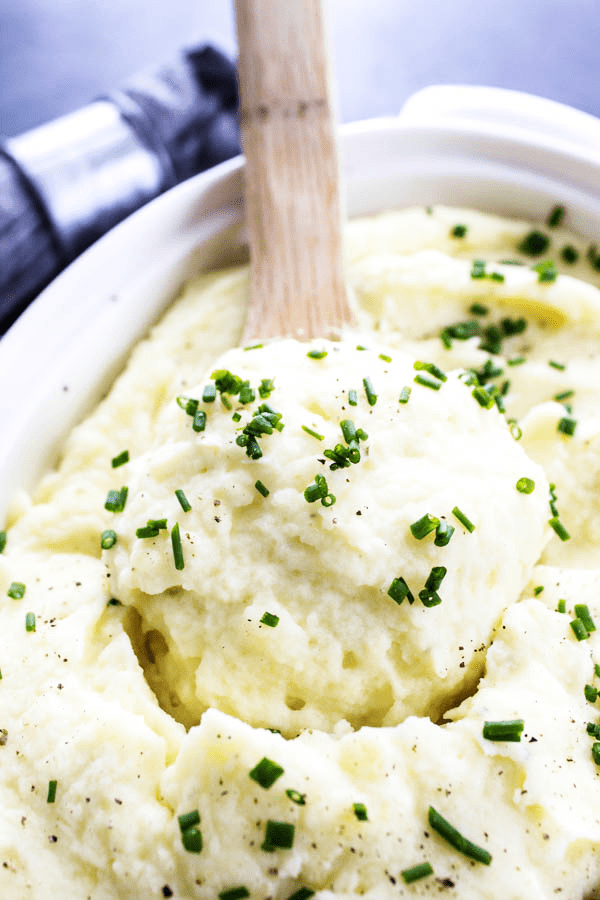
(57, 55)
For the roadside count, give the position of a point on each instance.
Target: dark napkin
(66, 183)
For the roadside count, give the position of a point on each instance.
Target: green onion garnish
(525, 485)
(561, 606)
(296, 797)
(278, 835)
(302, 893)
(538, 590)
(483, 397)
(209, 394)
(191, 839)
(591, 693)
(459, 231)
(177, 548)
(254, 347)
(416, 872)
(266, 772)
(183, 500)
(567, 425)
(317, 354)
(596, 752)
(371, 395)
(51, 791)
(504, 730)
(534, 244)
(385, 358)
(114, 602)
(404, 395)
(478, 268)
(261, 488)
(116, 500)
(478, 309)
(429, 595)
(579, 629)
(16, 591)
(360, 811)
(30, 621)
(188, 819)
(432, 369)
(569, 254)
(2, 541)
(236, 893)
(247, 394)
(559, 528)
(269, 619)
(456, 512)
(352, 397)
(121, 459)
(516, 361)
(266, 387)
(424, 526)
(593, 729)
(108, 539)
(564, 395)
(449, 833)
(443, 533)
(556, 216)
(312, 433)
(398, 590)
(557, 365)
(547, 271)
(199, 423)
(428, 382)
(319, 491)
(582, 612)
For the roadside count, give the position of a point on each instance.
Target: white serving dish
(499, 151)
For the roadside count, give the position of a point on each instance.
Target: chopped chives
(569, 254)
(596, 752)
(236, 893)
(247, 394)
(352, 397)
(458, 514)
(121, 459)
(582, 612)
(269, 619)
(504, 730)
(449, 833)
(561, 606)
(209, 394)
(398, 590)
(199, 423)
(483, 397)
(597, 670)
(555, 216)
(312, 433)
(302, 893)
(428, 382)
(557, 365)
(2, 541)
(432, 369)
(16, 591)
(188, 819)
(266, 772)
(525, 485)
(51, 791)
(404, 395)
(567, 425)
(261, 488)
(478, 309)
(266, 387)
(226, 402)
(564, 395)
(183, 500)
(459, 231)
(516, 361)
(424, 526)
(478, 268)
(177, 548)
(538, 590)
(422, 870)
(114, 602)
(236, 417)
(546, 271)
(317, 354)
(360, 811)
(108, 539)
(319, 491)
(116, 500)
(559, 528)
(593, 729)
(30, 621)
(371, 395)
(296, 797)
(429, 595)
(385, 358)
(534, 244)
(590, 693)
(443, 533)
(497, 276)
(254, 347)
(278, 835)
(191, 838)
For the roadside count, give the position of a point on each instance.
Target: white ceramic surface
(502, 155)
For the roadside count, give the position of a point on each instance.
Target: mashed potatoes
(257, 624)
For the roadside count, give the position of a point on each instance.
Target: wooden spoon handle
(292, 184)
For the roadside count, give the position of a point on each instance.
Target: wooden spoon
(292, 177)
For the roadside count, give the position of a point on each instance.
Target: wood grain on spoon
(292, 178)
